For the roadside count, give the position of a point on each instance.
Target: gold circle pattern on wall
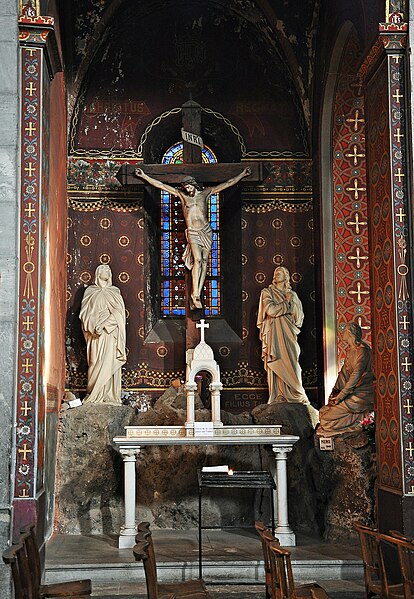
(278, 259)
(310, 224)
(260, 241)
(85, 240)
(245, 333)
(68, 295)
(245, 295)
(126, 313)
(244, 259)
(243, 223)
(69, 222)
(68, 258)
(296, 277)
(162, 351)
(85, 277)
(140, 259)
(124, 277)
(312, 259)
(224, 351)
(124, 241)
(260, 277)
(105, 259)
(140, 296)
(140, 223)
(295, 241)
(105, 223)
(141, 332)
(277, 223)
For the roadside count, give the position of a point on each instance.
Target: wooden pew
(24, 559)
(144, 551)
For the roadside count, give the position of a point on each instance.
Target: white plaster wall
(9, 202)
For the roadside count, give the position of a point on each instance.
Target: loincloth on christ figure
(201, 237)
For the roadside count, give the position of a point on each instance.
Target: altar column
(129, 529)
(283, 531)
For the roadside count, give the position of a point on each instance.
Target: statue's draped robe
(279, 322)
(104, 306)
(354, 392)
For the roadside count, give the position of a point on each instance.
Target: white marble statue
(352, 396)
(103, 323)
(279, 319)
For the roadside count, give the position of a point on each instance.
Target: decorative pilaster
(385, 76)
(39, 62)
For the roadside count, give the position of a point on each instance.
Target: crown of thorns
(189, 180)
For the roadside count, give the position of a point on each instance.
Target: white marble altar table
(138, 437)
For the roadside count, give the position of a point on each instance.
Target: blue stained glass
(173, 243)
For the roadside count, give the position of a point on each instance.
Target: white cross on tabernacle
(203, 325)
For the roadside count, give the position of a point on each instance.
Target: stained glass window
(173, 242)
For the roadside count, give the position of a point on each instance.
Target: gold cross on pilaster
(26, 408)
(355, 189)
(24, 451)
(355, 155)
(408, 406)
(397, 96)
(355, 120)
(358, 257)
(30, 89)
(400, 215)
(359, 293)
(29, 169)
(398, 135)
(357, 223)
(405, 322)
(27, 365)
(27, 323)
(29, 209)
(399, 175)
(406, 364)
(30, 129)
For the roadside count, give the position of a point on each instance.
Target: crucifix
(194, 200)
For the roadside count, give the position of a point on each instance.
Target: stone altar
(212, 433)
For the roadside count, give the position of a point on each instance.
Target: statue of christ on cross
(194, 202)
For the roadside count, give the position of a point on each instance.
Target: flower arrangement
(368, 425)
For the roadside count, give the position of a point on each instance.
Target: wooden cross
(192, 166)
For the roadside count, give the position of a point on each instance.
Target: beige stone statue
(194, 202)
(103, 323)
(352, 396)
(279, 319)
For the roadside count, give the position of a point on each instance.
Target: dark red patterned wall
(382, 272)
(350, 209)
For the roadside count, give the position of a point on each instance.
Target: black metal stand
(239, 480)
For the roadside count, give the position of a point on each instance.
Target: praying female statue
(103, 323)
(352, 396)
(279, 320)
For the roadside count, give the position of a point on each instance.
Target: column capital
(129, 454)
(281, 451)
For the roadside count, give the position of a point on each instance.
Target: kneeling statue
(352, 396)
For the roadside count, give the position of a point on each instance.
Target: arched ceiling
(235, 45)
